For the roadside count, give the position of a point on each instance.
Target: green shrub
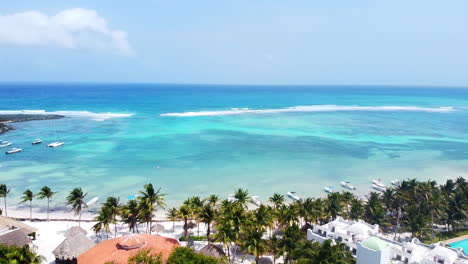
(145, 257)
(194, 238)
(18, 255)
(183, 255)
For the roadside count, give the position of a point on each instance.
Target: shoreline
(15, 118)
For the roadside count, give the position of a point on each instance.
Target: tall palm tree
(104, 219)
(151, 200)
(185, 213)
(277, 199)
(3, 193)
(306, 207)
(130, 214)
(172, 215)
(207, 216)
(28, 196)
(76, 200)
(113, 204)
(46, 192)
(196, 205)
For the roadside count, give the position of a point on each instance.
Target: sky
(280, 42)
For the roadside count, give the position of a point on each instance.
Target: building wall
(368, 256)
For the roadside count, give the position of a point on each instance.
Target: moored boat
(55, 144)
(293, 196)
(378, 183)
(329, 189)
(14, 150)
(5, 144)
(396, 182)
(378, 188)
(36, 141)
(254, 200)
(347, 185)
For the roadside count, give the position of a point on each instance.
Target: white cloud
(75, 28)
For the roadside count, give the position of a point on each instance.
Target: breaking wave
(80, 114)
(316, 108)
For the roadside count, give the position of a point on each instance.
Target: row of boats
(4, 144)
(376, 185)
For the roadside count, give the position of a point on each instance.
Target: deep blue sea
(204, 139)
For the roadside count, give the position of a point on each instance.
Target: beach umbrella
(212, 250)
(73, 246)
(74, 230)
(119, 250)
(158, 228)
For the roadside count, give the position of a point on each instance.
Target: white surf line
(317, 108)
(83, 114)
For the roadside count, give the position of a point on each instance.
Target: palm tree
(252, 241)
(334, 205)
(46, 192)
(28, 196)
(76, 200)
(374, 210)
(242, 197)
(184, 213)
(104, 219)
(213, 199)
(356, 210)
(172, 215)
(151, 200)
(196, 205)
(288, 242)
(277, 199)
(207, 216)
(113, 204)
(130, 214)
(306, 207)
(3, 193)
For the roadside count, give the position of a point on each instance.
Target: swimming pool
(462, 243)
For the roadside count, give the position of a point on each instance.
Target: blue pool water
(198, 139)
(461, 244)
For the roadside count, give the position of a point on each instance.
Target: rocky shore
(13, 118)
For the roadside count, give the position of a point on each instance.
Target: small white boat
(55, 144)
(92, 201)
(4, 141)
(378, 183)
(328, 189)
(231, 198)
(378, 188)
(5, 144)
(347, 185)
(14, 150)
(396, 182)
(36, 141)
(293, 196)
(254, 200)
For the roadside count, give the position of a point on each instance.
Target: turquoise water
(461, 244)
(196, 140)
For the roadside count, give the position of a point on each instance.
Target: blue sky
(398, 42)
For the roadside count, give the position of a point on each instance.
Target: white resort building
(369, 246)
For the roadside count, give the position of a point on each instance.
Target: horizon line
(236, 85)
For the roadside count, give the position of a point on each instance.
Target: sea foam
(80, 114)
(315, 108)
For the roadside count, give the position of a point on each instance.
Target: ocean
(211, 139)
